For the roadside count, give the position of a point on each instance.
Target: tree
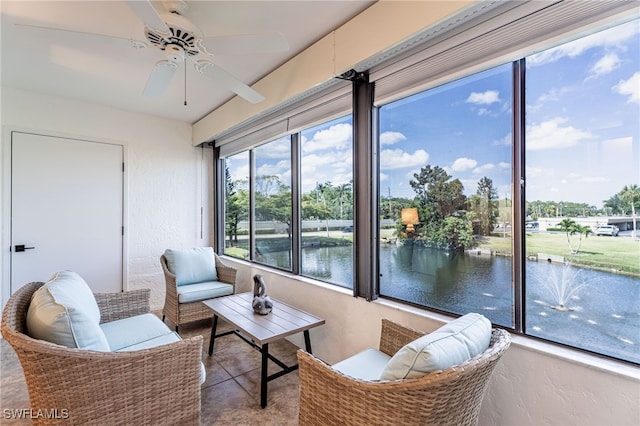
(571, 227)
(456, 232)
(439, 196)
(485, 206)
(236, 205)
(631, 194)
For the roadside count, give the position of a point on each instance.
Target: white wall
(534, 383)
(164, 176)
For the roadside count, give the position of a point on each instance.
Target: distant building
(624, 223)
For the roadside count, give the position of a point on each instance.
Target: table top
(284, 320)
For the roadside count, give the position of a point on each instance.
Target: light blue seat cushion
(64, 311)
(203, 291)
(365, 365)
(190, 266)
(451, 344)
(126, 332)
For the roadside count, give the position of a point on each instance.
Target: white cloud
(630, 88)
(553, 134)
(271, 169)
(484, 98)
(337, 136)
(504, 165)
(280, 148)
(554, 94)
(537, 171)
(605, 65)
(484, 168)
(383, 177)
(399, 159)
(390, 138)
(463, 163)
(592, 179)
(506, 140)
(577, 47)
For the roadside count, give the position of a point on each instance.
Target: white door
(66, 210)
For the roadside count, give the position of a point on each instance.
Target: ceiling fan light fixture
(174, 53)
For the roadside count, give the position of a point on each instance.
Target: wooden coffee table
(260, 330)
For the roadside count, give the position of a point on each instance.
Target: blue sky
(583, 126)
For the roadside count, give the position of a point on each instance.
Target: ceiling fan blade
(245, 44)
(103, 38)
(229, 81)
(160, 77)
(147, 14)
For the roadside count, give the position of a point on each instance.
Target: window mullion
(296, 207)
(518, 195)
(366, 189)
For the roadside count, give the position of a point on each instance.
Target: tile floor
(230, 395)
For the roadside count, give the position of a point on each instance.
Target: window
(445, 177)
(513, 191)
(582, 168)
(327, 202)
(236, 205)
(272, 203)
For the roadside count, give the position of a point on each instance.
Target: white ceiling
(98, 70)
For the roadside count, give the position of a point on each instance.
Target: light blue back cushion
(64, 311)
(451, 344)
(190, 266)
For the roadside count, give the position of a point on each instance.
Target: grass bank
(620, 255)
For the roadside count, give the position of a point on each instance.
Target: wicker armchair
(452, 396)
(182, 313)
(153, 386)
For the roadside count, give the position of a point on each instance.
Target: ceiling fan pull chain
(185, 84)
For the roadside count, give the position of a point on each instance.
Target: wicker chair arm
(138, 387)
(115, 306)
(226, 273)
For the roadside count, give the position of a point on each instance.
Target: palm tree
(630, 194)
(571, 227)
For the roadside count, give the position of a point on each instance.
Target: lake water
(602, 309)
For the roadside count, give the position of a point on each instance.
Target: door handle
(21, 247)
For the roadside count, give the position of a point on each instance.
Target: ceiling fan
(182, 41)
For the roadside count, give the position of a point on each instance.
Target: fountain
(563, 284)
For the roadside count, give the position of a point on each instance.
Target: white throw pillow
(64, 311)
(451, 344)
(191, 266)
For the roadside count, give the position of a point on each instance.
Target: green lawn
(607, 253)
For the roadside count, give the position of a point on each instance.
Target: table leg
(263, 379)
(213, 334)
(307, 341)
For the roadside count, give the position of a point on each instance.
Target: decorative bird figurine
(262, 304)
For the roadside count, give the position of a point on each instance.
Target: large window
(272, 203)
(327, 202)
(513, 191)
(445, 177)
(582, 175)
(236, 204)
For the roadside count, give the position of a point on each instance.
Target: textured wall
(165, 175)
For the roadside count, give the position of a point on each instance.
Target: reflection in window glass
(272, 203)
(445, 197)
(327, 202)
(236, 206)
(582, 193)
